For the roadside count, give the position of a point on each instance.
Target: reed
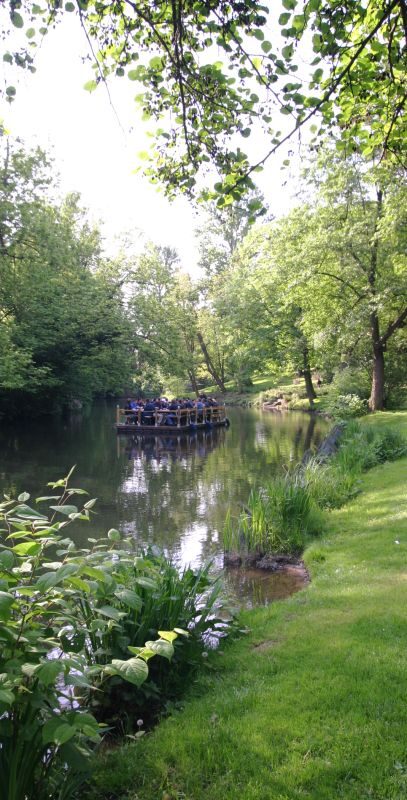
(277, 518)
(282, 516)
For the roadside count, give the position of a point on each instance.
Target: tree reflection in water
(170, 491)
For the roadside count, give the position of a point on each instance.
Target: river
(170, 491)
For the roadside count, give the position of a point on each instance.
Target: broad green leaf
(134, 670)
(27, 548)
(7, 697)
(17, 20)
(146, 583)
(6, 601)
(65, 509)
(23, 497)
(130, 598)
(57, 731)
(113, 535)
(169, 636)
(111, 612)
(26, 512)
(6, 559)
(162, 648)
(47, 673)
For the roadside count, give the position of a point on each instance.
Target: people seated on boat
(199, 409)
(129, 409)
(147, 415)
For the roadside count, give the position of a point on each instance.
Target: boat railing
(182, 417)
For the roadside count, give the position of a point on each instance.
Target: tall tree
(64, 326)
(342, 262)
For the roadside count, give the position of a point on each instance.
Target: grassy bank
(311, 702)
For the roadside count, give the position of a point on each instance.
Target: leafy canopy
(208, 72)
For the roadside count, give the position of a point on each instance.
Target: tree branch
(400, 322)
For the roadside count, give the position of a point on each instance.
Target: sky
(95, 141)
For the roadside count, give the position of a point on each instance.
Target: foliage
(66, 637)
(63, 333)
(347, 405)
(278, 519)
(207, 73)
(282, 516)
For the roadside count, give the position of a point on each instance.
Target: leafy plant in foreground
(51, 645)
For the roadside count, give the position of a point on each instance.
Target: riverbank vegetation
(283, 515)
(82, 632)
(308, 703)
(75, 324)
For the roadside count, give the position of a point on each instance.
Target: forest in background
(322, 291)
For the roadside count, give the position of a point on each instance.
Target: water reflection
(259, 587)
(170, 491)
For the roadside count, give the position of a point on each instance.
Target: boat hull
(122, 427)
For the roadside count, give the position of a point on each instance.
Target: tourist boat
(185, 419)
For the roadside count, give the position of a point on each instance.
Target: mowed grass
(311, 702)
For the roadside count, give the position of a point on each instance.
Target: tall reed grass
(282, 516)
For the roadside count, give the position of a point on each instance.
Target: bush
(347, 406)
(351, 380)
(78, 627)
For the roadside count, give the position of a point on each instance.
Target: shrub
(72, 628)
(351, 380)
(347, 406)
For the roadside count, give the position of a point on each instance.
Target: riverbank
(310, 703)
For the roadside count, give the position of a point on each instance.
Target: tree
(61, 322)
(341, 262)
(206, 104)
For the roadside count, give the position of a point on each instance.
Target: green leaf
(135, 670)
(90, 86)
(47, 673)
(266, 47)
(289, 4)
(46, 581)
(6, 559)
(146, 583)
(27, 548)
(113, 535)
(7, 697)
(112, 613)
(17, 19)
(130, 598)
(69, 7)
(287, 51)
(30, 33)
(23, 497)
(65, 509)
(57, 731)
(6, 601)
(283, 18)
(169, 636)
(162, 648)
(27, 513)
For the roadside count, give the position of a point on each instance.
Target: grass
(311, 702)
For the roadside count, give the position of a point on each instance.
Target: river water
(169, 491)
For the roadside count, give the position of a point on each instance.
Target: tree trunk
(192, 379)
(209, 363)
(306, 373)
(376, 400)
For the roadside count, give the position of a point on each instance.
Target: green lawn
(311, 703)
